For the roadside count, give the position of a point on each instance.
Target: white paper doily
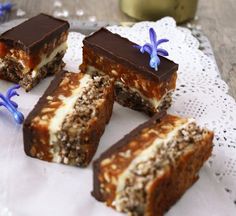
(32, 187)
(200, 92)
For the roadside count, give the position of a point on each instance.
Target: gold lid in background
(181, 10)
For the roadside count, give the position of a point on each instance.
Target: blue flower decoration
(11, 105)
(5, 8)
(153, 50)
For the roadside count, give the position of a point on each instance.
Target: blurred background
(215, 18)
(109, 9)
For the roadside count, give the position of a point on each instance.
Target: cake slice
(137, 85)
(148, 170)
(68, 121)
(32, 50)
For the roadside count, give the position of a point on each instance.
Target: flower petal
(147, 48)
(12, 92)
(162, 41)
(14, 104)
(153, 37)
(2, 104)
(162, 52)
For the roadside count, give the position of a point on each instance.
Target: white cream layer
(44, 59)
(66, 108)
(144, 156)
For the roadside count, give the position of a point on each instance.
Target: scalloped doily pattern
(200, 92)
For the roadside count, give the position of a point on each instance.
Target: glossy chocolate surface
(122, 50)
(32, 34)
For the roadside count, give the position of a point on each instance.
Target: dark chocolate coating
(116, 147)
(27, 134)
(32, 34)
(121, 50)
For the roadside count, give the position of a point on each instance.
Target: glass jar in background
(181, 10)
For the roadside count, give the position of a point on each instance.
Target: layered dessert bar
(137, 85)
(66, 124)
(32, 50)
(148, 170)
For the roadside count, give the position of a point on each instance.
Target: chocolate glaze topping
(32, 34)
(123, 51)
(116, 147)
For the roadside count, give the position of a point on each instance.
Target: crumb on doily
(57, 4)
(92, 19)
(63, 13)
(20, 12)
(79, 12)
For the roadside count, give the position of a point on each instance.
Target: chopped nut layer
(133, 197)
(135, 100)
(148, 170)
(69, 120)
(72, 141)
